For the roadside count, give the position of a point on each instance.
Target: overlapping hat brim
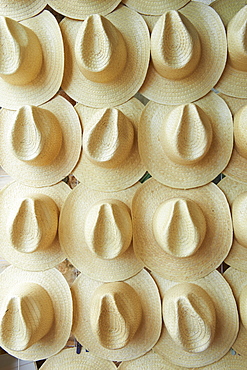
(148, 332)
(237, 280)
(229, 361)
(227, 8)
(116, 178)
(176, 175)
(78, 9)
(21, 9)
(125, 86)
(68, 359)
(204, 77)
(58, 289)
(41, 259)
(226, 312)
(215, 246)
(63, 164)
(49, 79)
(156, 7)
(72, 239)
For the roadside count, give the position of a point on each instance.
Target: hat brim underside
(156, 7)
(126, 85)
(21, 9)
(214, 248)
(204, 77)
(48, 81)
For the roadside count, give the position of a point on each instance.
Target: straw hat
(188, 145)
(35, 313)
(238, 282)
(155, 7)
(21, 9)
(227, 8)
(31, 67)
(182, 72)
(181, 234)
(110, 159)
(233, 103)
(95, 232)
(39, 146)
(113, 74)
(200, 320)
(117, 321)
(232, 81)
(29, 220)
(78, 9)
(68, 359)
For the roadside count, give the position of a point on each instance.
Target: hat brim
(73, 243)
(214, 248)
(204, 77)
(162, 168)
(225, 334)
(58, 289)
(49, 79)
(156, 7)
(148, 332)
(227, 8)
(128, 172)
(38, 176)
(21, 9)
(39, 260)
(126, 85)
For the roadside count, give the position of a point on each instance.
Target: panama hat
(181, 234)
(188, 145)
(182, 71)
(35, 313)
(39, 146)
(233, 103)
(95, 232)
(156, 7)
(68, 359)
(238, 282)
(78, 9)
(200, 320)
(118, 320)
(32, 66)
(29, 217)
(21, 9)
(110, 159)
(227, 8)
(113, 74)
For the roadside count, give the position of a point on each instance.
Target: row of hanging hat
(147, 253)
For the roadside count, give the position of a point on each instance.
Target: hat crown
(186, 134)
(35, 136)
(240, 131)
(175, 46)
(100, 49)
(237, 40)
(239, 218)
(21, 53)
(32, 223)
(189, 316)
(179, 227)
(26, 316)
(108, 228)
(109, 140)
(116, 314)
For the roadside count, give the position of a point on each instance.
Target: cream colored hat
(95, 232)
(227, 8)
(238, 282)
(111, 71)
(68, 359)
(188, 145)
(181, 234)
(78, 9)
(21, 9)
(29, 219)
(39, 146)
(35, 313)
(31, 66)
(155, 7)
(117, 321)
(181, 68)
(236, 194)
(200, 320)
(233, 103)
(110, 159)
(232, 81)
